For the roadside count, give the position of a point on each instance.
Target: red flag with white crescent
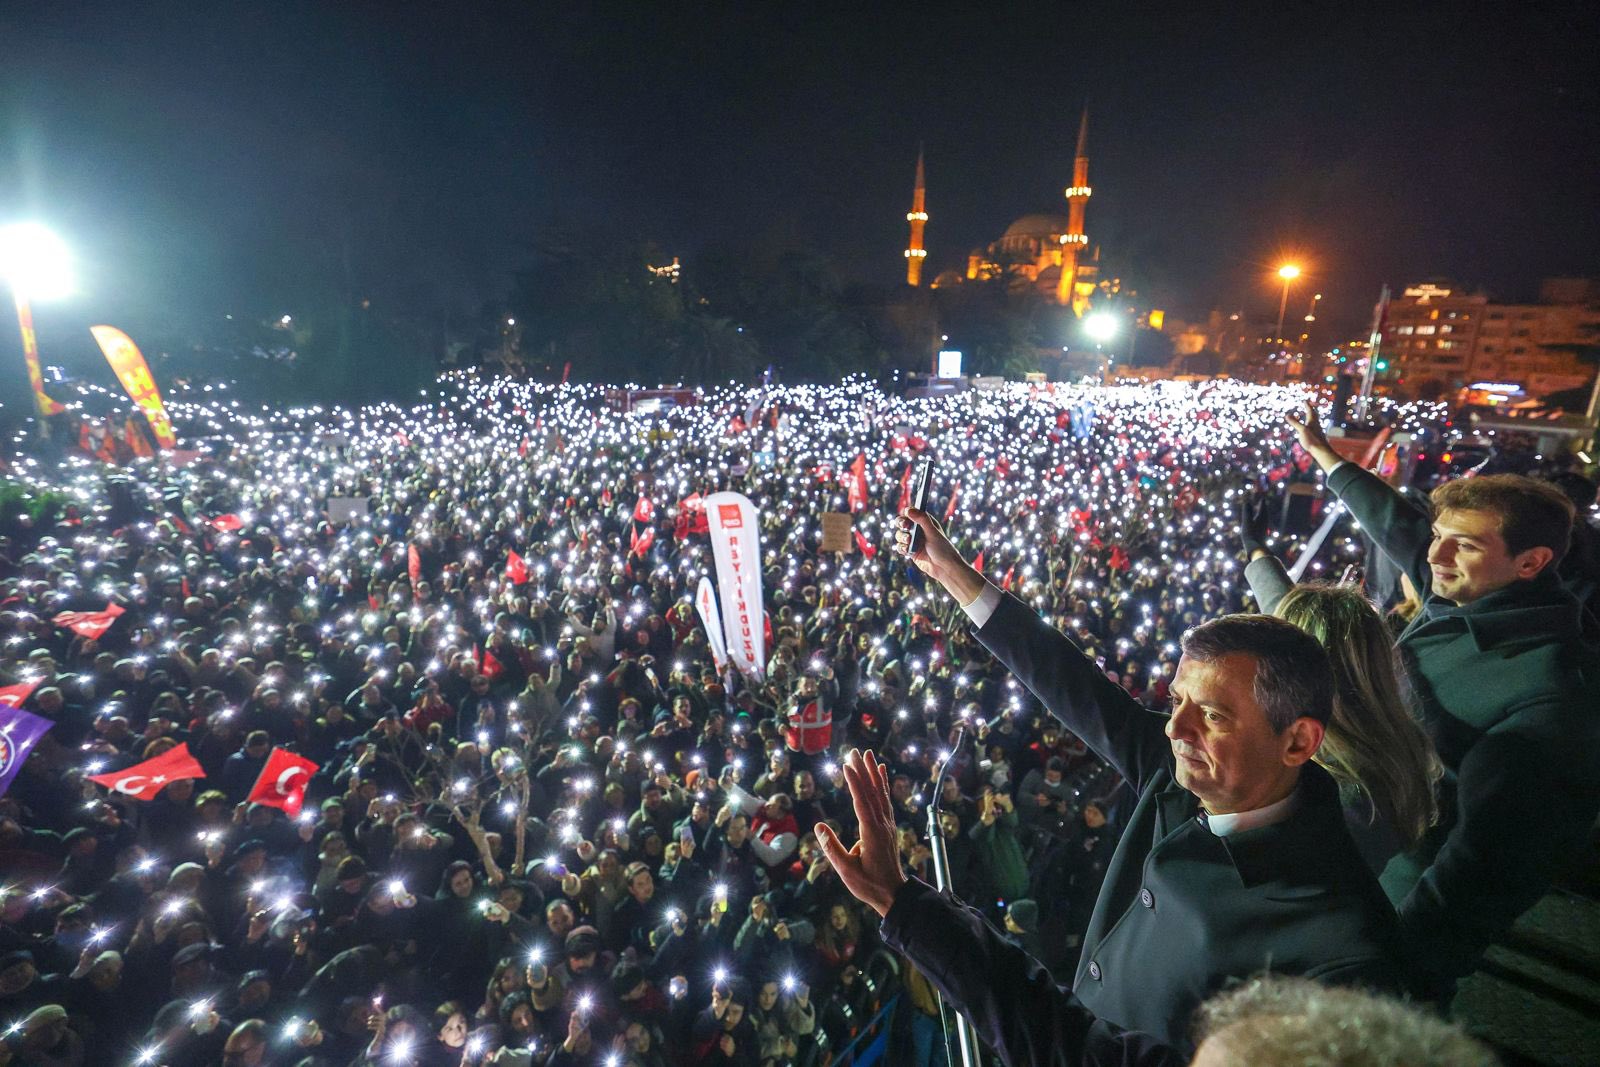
(644, 510)
(516, 568)
(144, 780)
(282, 783)
(90, 624)
(14, 696)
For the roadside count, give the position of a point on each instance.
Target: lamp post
(35, 263)
(1288, 272)
(1101, 327)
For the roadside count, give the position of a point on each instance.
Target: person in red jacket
(810, 725)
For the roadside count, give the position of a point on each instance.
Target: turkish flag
(955, 498)
(868, 549)
(905, 490)
(489, 666)
(282, 783)
(144, 780)
(228, 523)
(414, 564)
(14, 696)
(639, 544)
(516, 568)
(90, 624)
(858, 484)
(977, 562)
(644, 510)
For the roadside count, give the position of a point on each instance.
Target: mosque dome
(1039, 226)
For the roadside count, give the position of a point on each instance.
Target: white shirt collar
(1239, 821)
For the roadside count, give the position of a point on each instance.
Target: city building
(1439, 339)
(1048, 252)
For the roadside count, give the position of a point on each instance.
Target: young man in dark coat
(1504, 666)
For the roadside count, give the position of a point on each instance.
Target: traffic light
(1383, 364)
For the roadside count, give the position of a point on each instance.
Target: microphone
(966, 1036)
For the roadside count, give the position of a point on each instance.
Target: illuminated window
(1426, 329)
(1403, 330)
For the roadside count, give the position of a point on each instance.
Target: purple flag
(19, 732)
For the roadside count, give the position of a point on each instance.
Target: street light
(1288, 272)
(36, 264)
(1101, 327)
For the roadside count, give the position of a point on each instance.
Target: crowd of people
(537, 821)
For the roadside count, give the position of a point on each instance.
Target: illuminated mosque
(1048, 252)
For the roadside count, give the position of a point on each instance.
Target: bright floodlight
(1100, 326)
(34, 261)
(1288, 272)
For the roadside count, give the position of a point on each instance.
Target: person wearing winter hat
(1022, 926)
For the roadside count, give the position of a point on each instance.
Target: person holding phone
(1237, 857)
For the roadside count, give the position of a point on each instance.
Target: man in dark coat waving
(1236, 858)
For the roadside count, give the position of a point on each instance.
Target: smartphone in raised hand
(921, 481)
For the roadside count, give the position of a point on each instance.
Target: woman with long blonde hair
(1374, 747)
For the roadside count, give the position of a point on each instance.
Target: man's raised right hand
(936, 556)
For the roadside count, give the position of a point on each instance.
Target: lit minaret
(1074, 241)
(918, 217)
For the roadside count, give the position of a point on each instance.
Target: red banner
(414, 565)
(144, 780)
(282, 782)
(90, 624)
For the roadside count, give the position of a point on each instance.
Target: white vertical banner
(736, 548)
(706, 601)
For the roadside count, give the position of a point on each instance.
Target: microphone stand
(966, 1036)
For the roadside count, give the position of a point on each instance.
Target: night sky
(207, 158)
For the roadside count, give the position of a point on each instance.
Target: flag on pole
(282, 782)
(19, 731)
(955, 498)
(144, 780)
